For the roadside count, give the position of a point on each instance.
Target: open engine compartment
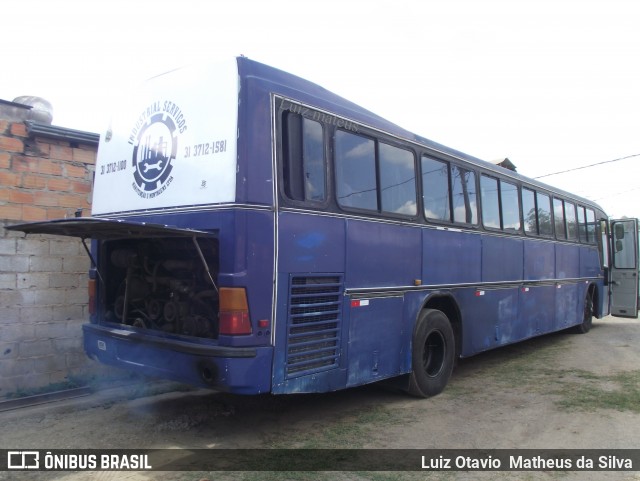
(164, 284)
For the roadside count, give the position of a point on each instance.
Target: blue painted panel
(451, 257)
(235, 375)
(502, 259)
(567, 261)
(375, 340)
(528, 312)
(382, 255)
(490, 319)
(589, 262)
(537, 310)
(566, 305)
(310, 243)
(539, 260)
(254, 182)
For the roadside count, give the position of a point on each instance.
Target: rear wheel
(433, 354)
(587, 315)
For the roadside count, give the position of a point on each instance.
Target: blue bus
(253, 232)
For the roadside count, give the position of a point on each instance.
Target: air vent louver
(313, 326)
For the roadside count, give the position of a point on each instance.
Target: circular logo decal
(156, 146)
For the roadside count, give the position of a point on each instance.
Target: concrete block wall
(43, 279)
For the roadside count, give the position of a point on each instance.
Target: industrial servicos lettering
(155, 138)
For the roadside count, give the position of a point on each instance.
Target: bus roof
(308, 92)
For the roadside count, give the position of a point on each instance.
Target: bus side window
(510, 206)
(356, 184)
(463, 193)
(558, 217)
(304, 166)
(572, 223)
(582, 226)
(500, 204)
(544, 214)
(490, 202)
(435, 189)
(529, 212)
(591, 226)
(397, 180)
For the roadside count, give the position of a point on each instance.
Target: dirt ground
(560, 391)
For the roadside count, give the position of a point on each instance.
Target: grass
(354, 429)
(351, 430)
(619, 392)
(528, 368)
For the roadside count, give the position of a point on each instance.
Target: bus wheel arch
(447, 304)
(588, 310)
(593, 290)
(433, 350)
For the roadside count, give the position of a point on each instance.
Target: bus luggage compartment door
(375, 339)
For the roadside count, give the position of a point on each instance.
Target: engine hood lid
(105, 229)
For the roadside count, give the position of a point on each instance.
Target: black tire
(433, 354)
(587, 315)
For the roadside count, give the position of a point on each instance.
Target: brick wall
(43, 279)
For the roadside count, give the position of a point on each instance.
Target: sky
(553, 85)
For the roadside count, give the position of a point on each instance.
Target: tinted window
(435, 189)
(313, 160)
(544, 214)
(355, 171)
(304, 172)
(591, 226)
(529, 211)
(397, 180)
(558, 218)
(510, 206)
(490, 202)
(463, 191)
(572, 223)
(582, 226)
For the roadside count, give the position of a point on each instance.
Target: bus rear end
(172, 292)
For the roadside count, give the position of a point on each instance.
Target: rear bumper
(239, 370)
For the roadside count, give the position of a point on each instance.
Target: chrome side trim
(276, 239)
(370, 292)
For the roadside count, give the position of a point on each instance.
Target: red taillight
(234, 312)
(92, 296)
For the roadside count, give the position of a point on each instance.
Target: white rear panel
(172, 143)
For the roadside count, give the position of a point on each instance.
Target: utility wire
(587, 166)
(616, 194)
